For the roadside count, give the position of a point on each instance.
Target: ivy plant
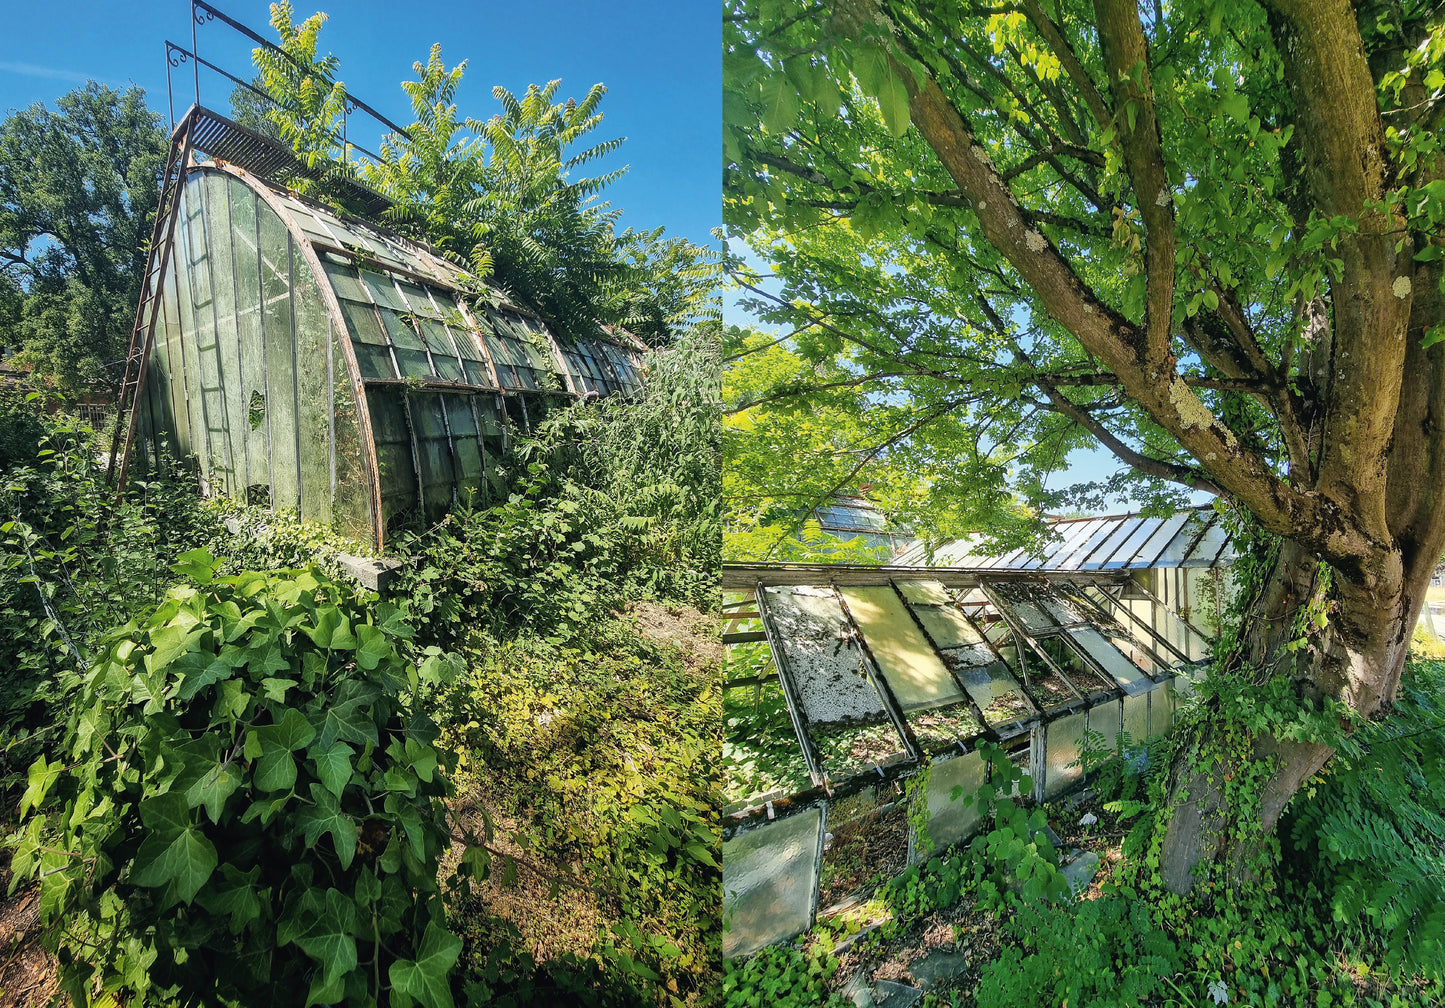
(247, 807)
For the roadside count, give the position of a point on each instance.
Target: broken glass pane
(992, 687)
(825, 663)
(770, 877)
(762, 758)
(939, 728)
(867, 842)
(909, 663)
(1025, 603)
(847, 749)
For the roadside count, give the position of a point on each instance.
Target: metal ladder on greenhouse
(142, 336)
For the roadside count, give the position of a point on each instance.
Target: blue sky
(661, 62)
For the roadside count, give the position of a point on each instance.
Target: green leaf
(325, 816)
(877, 76)
(780, 104)
(426, 977)
(236, 894)
(188, 861)
(212, 790)
(275, 771)
(374, 647)
(333, 766)
(294, 731)
(39, 779)
(321, 926)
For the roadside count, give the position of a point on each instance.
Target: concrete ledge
(376, 574)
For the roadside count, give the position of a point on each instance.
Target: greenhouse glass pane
(314, 368)
(344, 280)
(1105, 720)
(926, 592)
(418, 301)
(170, 316)
(362, 323)
(1127, 674)
(383, 291)
(994, 689)
(252, 378)
(827, 666)
(351, 508)
(374, 361)
(938, 728)
(280, 359)
(770, 878)
(949, 628)
(392, 435)
(1025, 601)
(949, 820)
(1136, 718)
(426, 415)
(413, 363)
(220, 358)
(1063, 744)
(908, 662)
(400, 330)
(1161, 708)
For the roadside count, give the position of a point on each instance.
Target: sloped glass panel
(925, 592)
(994, 689)
(400, 330)
(1024, 602)
(913, 669)
(1127, 674)
(827, 667)
(949, 820)
(770, 876)
(383, 291)
(950, 629)
(939, 728)
(344, 280)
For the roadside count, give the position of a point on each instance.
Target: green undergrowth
(1346, 907)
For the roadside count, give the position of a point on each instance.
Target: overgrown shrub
(75, 562)
(246, 809)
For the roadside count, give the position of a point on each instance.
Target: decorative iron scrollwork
(175, 55)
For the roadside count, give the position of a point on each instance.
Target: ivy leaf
(325, 816)
(321, 927)
(374, 647)
(236, 893)
(39, 779)
(188, 861)
(275, 771)
(213, 788)
(292, 733)
(333, 766)
(425, 978)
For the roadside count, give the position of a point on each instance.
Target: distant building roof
(1191, 538)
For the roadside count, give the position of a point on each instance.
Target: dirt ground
(27, 978)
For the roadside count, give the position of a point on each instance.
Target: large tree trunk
(1228, 782)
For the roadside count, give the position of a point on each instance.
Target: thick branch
(1126, 56)
(1150, 382)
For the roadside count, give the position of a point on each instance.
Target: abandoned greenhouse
(312, 361)
(844, 682)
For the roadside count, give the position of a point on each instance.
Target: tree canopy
(78, 189)
(1204, 236)
(502, 196)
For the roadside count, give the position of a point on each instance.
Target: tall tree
(502, 195)
(78, 190)
(1207, 235)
